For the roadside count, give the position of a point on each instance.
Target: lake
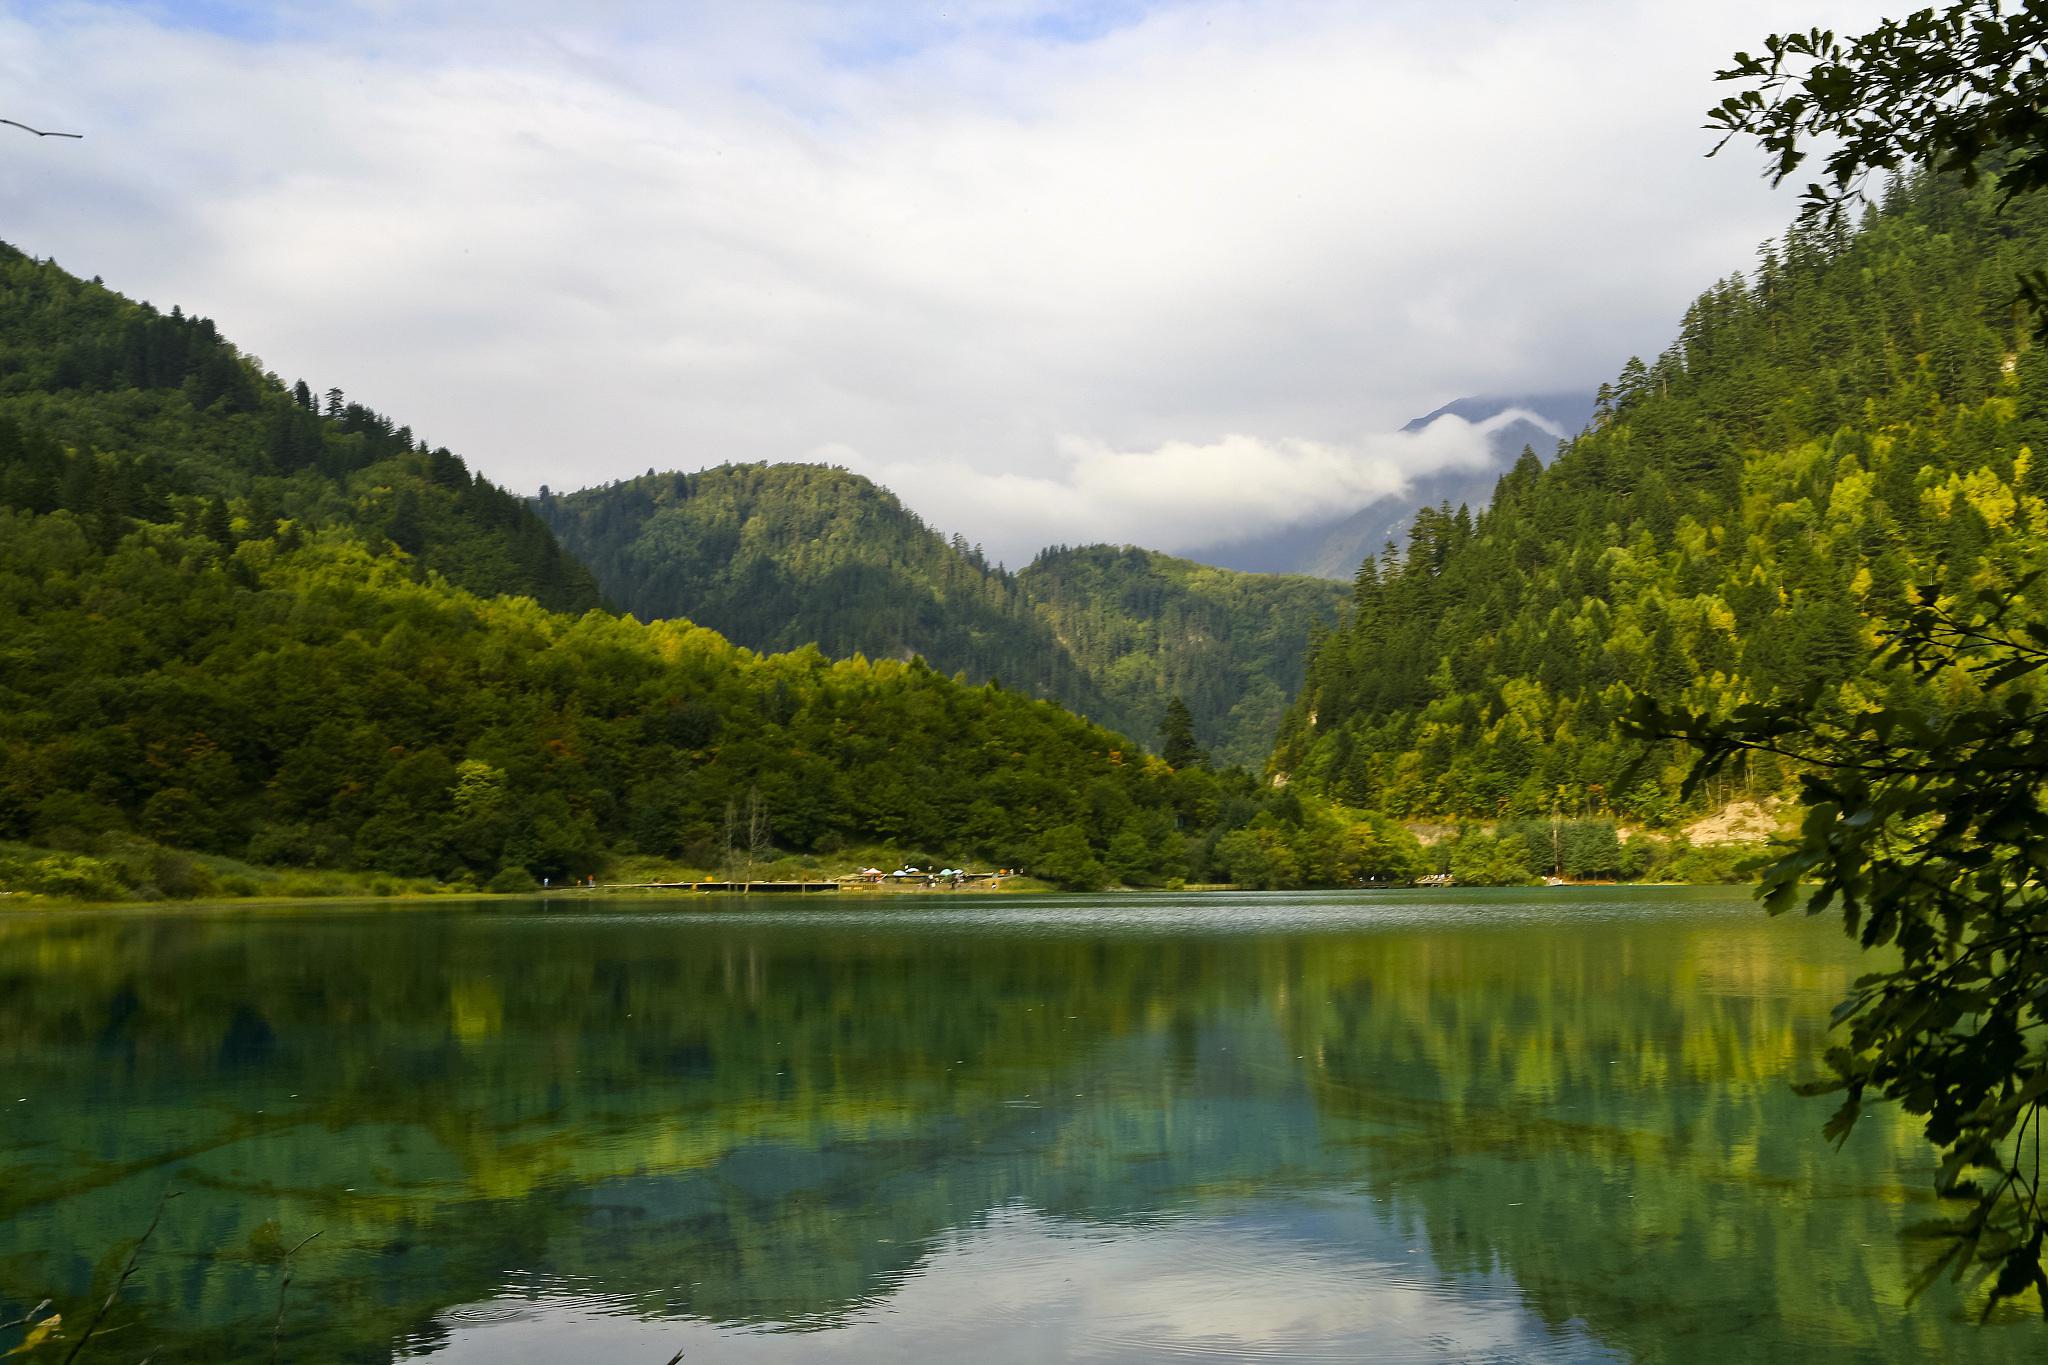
(1393, 1126)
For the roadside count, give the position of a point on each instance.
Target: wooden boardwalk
(740, 888)
(921, 882)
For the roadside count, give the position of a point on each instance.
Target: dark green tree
(1177, 744)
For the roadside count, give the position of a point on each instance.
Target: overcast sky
(1053, 272)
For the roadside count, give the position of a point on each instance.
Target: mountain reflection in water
(1020, 1287)
(1495, 1126)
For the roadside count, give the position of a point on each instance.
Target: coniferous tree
(1177, 743)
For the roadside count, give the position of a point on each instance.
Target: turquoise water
(1545, 1126)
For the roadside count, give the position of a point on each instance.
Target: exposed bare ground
(1738, 822)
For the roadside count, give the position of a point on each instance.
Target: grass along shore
(125, 869)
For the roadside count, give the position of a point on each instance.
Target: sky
(1157, 273)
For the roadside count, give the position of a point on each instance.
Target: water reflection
(1020, 1287)
(1502, 1127)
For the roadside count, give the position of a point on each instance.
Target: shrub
(1066, 859)
(72, 876)
(1709, 864)
(1258, 857)
(178, 876)
(513, 881)
(1478, 860)
(310, 884)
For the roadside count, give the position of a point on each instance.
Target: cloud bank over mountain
(1179, 495)
(1110, 269)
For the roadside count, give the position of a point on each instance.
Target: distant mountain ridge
(1334, 547)
(776, 557)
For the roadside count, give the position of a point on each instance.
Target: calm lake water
(1543, 1126)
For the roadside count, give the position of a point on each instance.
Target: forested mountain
(232, 624)
(1149, 627)
(779, 556)
(1332, 547)
(178, 426)
(312, 704)
(1857, 415)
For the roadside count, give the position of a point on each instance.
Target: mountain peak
(1332, 546)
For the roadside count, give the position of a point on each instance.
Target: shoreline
(17, 903)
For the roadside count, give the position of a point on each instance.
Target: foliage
(513, 881)
(316, 706)
(116, 866)
(304, 701)
(1569, 848)
(128, 416)
(1930, 828)
(1926, 814)
(68, 876)
(1704, 865)
(1954, 89)
(238, 624)
(1958, 90)
(1177, 744)
(1300, 842)
(1064, 856)
(1861, 413)
(776, 557)
(1520, 852)
(1147, 628)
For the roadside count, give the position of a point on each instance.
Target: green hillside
(1857, 415)
(1149, 627)
(314, 705)
(178, 426)
(779, 556)
(233, 626)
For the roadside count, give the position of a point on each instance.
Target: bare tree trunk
(732, 840)
(757, 831)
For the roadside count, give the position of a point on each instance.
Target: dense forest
(236, 626)
(1148, 627)
(245, 622)
(1858, 415)
(779, 556)
(178, 426)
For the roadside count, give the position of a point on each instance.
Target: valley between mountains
(261, 638)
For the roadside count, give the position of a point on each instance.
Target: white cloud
(1233, 1285)
(1178, 495)
(1217, 237)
